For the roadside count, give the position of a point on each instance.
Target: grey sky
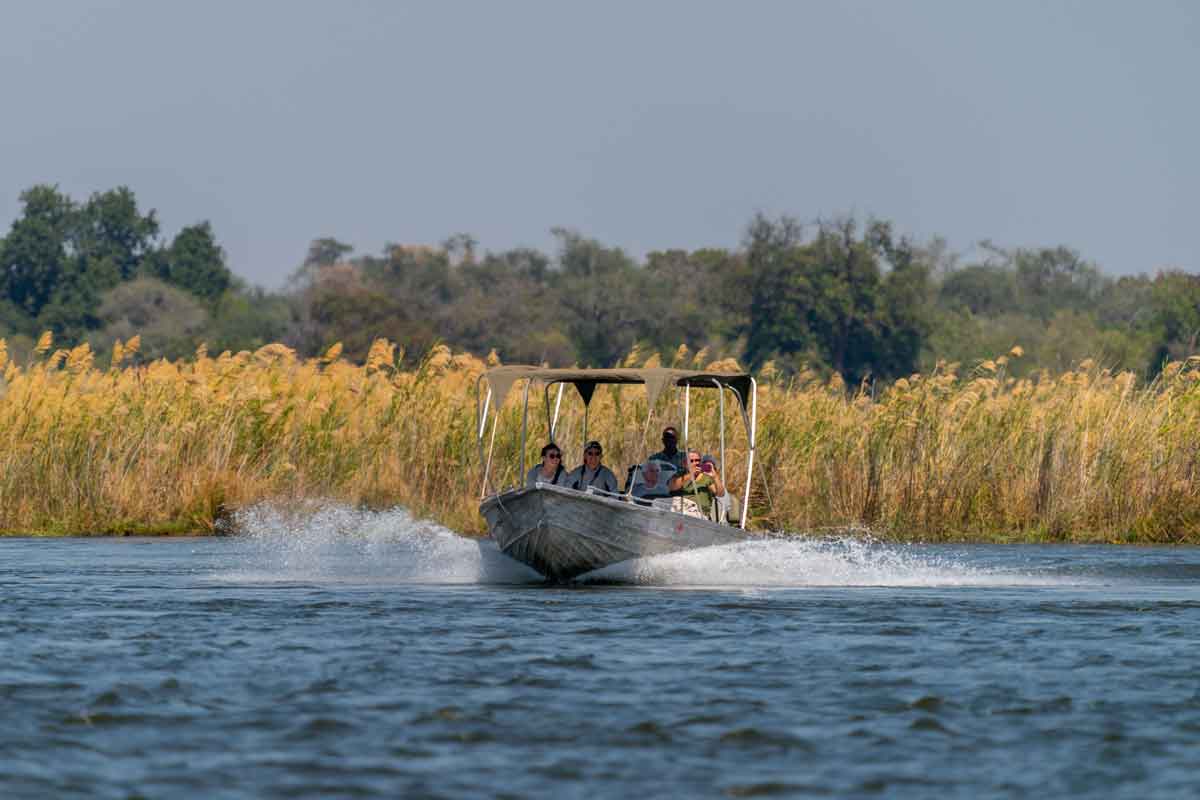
(645, 125)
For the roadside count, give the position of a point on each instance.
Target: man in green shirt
(698, 484)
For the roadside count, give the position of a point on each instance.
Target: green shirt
(699, 490)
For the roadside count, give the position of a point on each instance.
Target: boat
(564, 533)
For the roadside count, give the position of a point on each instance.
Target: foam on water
(330, 542)
(834, 561)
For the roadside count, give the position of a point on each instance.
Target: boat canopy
(501, 380)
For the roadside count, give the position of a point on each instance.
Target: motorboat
(562, 532)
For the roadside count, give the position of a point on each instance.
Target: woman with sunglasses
(591, 472)
(550, 470)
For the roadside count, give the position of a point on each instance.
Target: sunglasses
(591, 452)
(693, 461)
(553, 455)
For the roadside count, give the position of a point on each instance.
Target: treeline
(844, 296)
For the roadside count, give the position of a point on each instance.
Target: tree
(322, 253)
(461, 248)
(828, 301)
(168, 319)
(691, 298)
(507, 304)
(1053, 278)
(14, 320)
(598, 291)
(904, 308)
(988, 289)
(778, 274)
(196, 263)
(34, 256)
(111, 237)
(59, 257)
(247, 319)
(1176, 302)
(326, 252)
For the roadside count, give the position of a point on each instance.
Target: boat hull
(563, 533)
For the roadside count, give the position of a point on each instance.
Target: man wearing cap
(670, 453)
(591, 472)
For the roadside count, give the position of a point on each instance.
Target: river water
(361, 654)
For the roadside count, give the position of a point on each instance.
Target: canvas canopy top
(501, 380)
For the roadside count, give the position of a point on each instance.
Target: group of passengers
(669, 473)
(591, 473)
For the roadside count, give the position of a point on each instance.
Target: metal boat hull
(563, 533)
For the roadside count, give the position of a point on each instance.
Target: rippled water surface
(366, 655)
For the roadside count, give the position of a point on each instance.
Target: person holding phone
(701, 485)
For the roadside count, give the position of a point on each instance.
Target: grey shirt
(535, 475)
(581, 478)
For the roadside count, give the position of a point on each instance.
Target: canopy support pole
(721, 400)
(487, 469)
(753, 444)
(557, 405)
(482, 418)
(481, 421)
(687, 409)
(524, 431)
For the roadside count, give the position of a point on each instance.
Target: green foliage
(196, 263)
(111, 237)
(981, 289)
(1050, 279)
(829, 300)
(59, 257)
(327, 252)
(322, 253)
(248, 319)
(507, 305)
(691, 299)
(34, 256)
(167, 318)
(1176, 302)
(14, 320)
(598, 293)
(837, 296)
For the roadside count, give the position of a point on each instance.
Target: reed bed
(1086, 455)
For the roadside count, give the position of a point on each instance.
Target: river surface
(367, 655)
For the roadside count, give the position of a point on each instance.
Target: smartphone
(707, 466)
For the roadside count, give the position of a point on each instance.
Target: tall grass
(1085, 455)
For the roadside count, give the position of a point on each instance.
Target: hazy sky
(645, 124)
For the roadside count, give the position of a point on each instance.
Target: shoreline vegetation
(957, 454)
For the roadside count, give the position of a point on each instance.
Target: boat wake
(333, 543)
(849, 560)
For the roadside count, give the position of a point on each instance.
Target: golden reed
(173, 447)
